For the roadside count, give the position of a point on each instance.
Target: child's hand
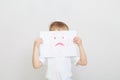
(77, 41)
(37, 42)
(82, 62)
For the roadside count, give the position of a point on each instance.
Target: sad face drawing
(58, 40)
(57, 43)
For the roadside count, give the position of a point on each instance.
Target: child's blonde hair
(58, 25)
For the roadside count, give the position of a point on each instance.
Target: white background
(98, 24)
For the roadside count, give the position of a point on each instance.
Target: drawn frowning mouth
(59, 43)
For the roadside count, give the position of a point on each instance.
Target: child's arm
(83, 57)
(35, 57)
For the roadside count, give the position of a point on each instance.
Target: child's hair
(58, 25)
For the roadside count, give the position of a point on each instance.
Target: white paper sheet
(58, 43)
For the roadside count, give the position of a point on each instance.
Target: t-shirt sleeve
(75, 60)
(43, 60)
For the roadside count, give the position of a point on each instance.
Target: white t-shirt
(59, 68)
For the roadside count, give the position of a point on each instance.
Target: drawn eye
(63, 37)
(54, 37)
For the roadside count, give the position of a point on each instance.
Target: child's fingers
(38, 41)
(82, 62)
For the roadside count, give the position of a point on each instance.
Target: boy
(59, 68)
